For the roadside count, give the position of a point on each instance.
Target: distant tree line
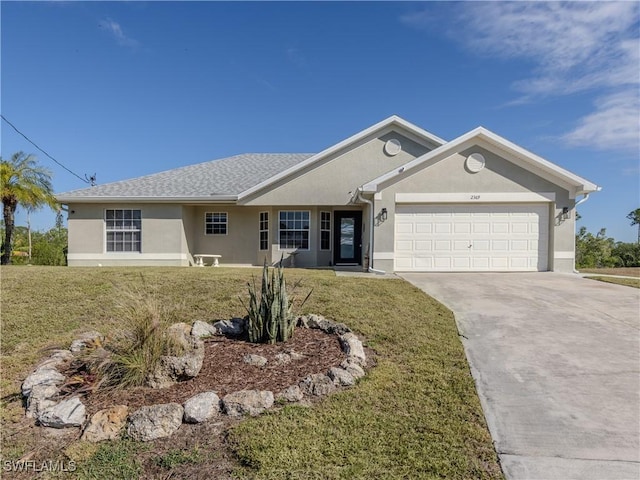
(47, 247)
(600, 251)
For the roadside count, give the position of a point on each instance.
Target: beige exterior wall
(163, 239)
(334, 180)
(499, 175)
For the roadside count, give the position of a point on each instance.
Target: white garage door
(454, 237)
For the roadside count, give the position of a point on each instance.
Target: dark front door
(347, 240)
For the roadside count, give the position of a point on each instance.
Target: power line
(90, 180)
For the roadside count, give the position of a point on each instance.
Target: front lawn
(415, 415)
(628, 282)
(622, 271)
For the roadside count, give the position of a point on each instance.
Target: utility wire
(91, 180)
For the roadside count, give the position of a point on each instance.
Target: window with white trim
(325, 230)
(264, 230)
(123, 230)
(293, 232)
(215, 223)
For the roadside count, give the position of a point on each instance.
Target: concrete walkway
(556, 361)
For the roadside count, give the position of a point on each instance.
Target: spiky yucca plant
(270, 314)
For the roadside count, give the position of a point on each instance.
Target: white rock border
(40, 388)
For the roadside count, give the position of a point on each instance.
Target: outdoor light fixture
(565, 213)
(383, 214)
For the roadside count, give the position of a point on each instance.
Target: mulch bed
(224, 371)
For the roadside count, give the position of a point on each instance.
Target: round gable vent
(392, 147)
(475, 162)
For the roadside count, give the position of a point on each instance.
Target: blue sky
(123, 89)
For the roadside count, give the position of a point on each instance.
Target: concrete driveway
(556, 361)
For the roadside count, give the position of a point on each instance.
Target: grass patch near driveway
(628, 282)
(415, 415)
(623, 271)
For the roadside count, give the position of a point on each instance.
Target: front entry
(347, 237)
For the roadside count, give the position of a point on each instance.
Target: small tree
(634, 216)
(22, 182)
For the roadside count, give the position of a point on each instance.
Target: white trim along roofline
(116, 199)
(581, 185)
(394, 119)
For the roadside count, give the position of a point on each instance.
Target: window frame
(122, 229)
(324, 229)
(307, 230)
(213, 223)
(262, 230)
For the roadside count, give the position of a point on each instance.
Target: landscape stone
(156, 421)
(317, 384)
(172, 369)
(106, 424)
(353, 348)
(252, 402)
(67, 413)
(45, 375)
(291, 394)
(202, 329)
(57, 358)
(341, 377)
(282, 358)
(319, 322)
(233, 328)
(40, 399)
(353, 368)
(255, 360)
(201, 407)
(85, 340)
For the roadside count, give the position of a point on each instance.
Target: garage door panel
(484, 237)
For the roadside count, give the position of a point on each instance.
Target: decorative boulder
(255, 360)
(43, 376)
(67, 413)
(251, 402)
(291, 394)
(319, 322)
(157, 421)
(341, 377)
(40, 398)
(172, 369)
(202, 329)
(106, 424)
(317, 384)
(353, 368)
(57, 358)
(201, 407)
(353, 348)
(233, 328)
(86, 340)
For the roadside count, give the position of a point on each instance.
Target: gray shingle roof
(227, 176)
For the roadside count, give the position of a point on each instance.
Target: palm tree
(24, 182)
(634, 216)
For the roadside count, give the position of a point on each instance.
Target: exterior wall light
(383, 214)
(565, 213)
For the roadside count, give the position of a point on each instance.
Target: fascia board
(532, 158)
(129, 199)
(394, 119)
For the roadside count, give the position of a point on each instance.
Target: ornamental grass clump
(270, 312)
(135, 351)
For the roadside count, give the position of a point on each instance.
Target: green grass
(628, 282)
(415, 415)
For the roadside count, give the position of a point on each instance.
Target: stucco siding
(498, 176)
(162, 236)
(331, 182)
